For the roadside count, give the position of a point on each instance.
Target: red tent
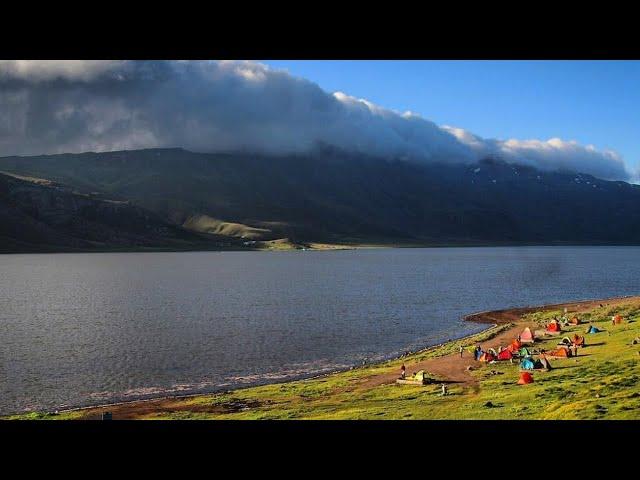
(505, 355)
(525, 378)
(617, 319)
(553, 326)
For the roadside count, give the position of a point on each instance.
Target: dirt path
(451, 367)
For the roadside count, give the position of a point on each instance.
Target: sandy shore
(453, 367)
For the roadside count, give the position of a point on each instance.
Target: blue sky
(592, 102)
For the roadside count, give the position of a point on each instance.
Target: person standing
(461, 349)
(403, 371)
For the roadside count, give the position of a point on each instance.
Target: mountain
(333, 197)
(40, 215)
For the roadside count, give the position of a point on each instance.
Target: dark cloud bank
(77, 106)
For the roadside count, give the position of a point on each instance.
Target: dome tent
(527, 364)
(487, 357)
(578, 341)
(562, 352)
(505, 355)
(515, 346)
(525, 378)
(554, 326)
(545, 363)
(526, 336)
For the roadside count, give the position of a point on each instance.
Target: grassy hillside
(603, 382)
(38, 215)
(206, 224)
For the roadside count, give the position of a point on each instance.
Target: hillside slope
(334, 197)
(40, 215)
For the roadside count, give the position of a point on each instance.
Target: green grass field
(603, 382)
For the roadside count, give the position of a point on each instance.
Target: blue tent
(593, 330)
(478, 354)
(527, 364)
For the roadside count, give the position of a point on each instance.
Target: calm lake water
(79, 329)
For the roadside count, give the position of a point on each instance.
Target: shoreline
(301, 377)
(491, 318)
(326, 247)
(507, 315)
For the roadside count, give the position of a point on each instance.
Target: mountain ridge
(334, 197)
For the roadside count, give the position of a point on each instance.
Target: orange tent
(617, 319)
(575, 321)
(578, 340)
(515, 346)
(553, 326)
(526, 336)
(525, 378)
(560, 352)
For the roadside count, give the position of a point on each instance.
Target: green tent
(523, 352)
(421, 375)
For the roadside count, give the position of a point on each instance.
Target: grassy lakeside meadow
(603, 382)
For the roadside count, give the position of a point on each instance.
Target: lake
(83, 329)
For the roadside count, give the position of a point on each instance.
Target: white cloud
(72, 106)
(46, 70)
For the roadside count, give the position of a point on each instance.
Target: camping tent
(478, 354)
(554, 326)
(525, 378)
(505, 355)
(578, 341)
(545, 363)
(515, 346)
(526, 336)
(487, 357)
(575, 321)
(565, 341)
(562, 352)
(421, 375)
(524, 352)
(527, 364)
(593, 329)
(616, 320)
